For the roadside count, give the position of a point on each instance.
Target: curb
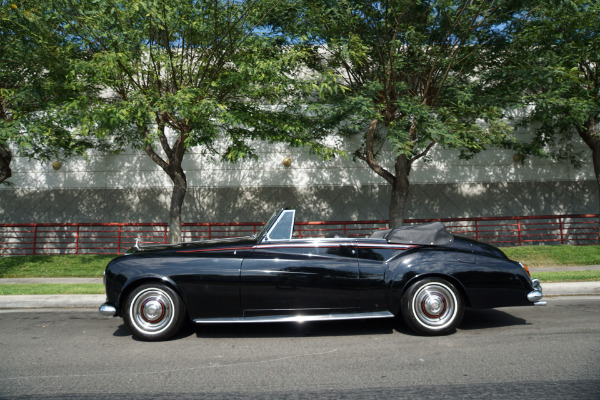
(96, 300)
(571, 289)
(52, 301)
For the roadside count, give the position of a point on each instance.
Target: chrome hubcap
(435, 305)
(152, 310)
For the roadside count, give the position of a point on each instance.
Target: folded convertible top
(434, 233)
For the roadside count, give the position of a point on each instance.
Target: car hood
(201, 244)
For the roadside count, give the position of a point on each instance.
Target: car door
(300, 278)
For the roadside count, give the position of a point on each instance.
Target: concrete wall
(129, 187)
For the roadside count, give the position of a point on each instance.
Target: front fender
(139, 280)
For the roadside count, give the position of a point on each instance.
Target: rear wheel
(432, 306)
(154, 312)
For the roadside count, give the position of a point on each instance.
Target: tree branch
(369, 156)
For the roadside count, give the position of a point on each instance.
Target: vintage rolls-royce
(422, 274)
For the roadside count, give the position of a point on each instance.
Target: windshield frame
(274, 222)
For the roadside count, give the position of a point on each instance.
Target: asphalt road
(550, 352)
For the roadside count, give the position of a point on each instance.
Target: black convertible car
(422, 273)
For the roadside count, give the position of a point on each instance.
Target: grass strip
(51, 288)
(554, 256)
(567, 276)
(59, 266)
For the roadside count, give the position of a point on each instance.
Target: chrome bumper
(107, 309)
(536, 295)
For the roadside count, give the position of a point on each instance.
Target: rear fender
(405, 271)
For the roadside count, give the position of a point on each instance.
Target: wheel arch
(134, 284)
(414, 278)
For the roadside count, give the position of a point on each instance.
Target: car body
(422, 273)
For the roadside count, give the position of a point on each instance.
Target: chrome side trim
(539, 303)
(294, 318)
(106, 309)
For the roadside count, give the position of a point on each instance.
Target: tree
(34, 87)
(551, 69)
(409, 69)
(177, 74)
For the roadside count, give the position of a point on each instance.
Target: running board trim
(294, 318)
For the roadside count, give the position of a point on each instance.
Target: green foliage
(407, 71)
(198, 69)
(35, 86)
(549, 71)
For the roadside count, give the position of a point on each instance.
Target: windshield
(283, 228)
(279, 227)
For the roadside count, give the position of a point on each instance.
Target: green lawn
(68, 266)
(554, 256)
(567, 276)
(51, 288)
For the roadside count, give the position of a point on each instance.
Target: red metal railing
(116, 238)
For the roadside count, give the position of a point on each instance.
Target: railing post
(165, 234)
(34, 240)
(77, 240)
(476, 230)
(209, 231)
(119, 240)
(519, 231)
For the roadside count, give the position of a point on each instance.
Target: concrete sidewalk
(95, 300)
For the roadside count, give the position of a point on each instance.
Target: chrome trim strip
(539, 303)
(108, 310)
(294, 318)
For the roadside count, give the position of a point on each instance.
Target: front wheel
(432, 306)
(153, 312)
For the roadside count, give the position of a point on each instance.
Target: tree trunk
(590, 136)
(596, 159)
(5, 159)
(177, 197)
(399, 182)
(172, 167)
(399, 192)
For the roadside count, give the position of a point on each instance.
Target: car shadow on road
(294, 329)
(473, 320)
(488, 318)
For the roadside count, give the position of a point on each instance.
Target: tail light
(526, 269)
